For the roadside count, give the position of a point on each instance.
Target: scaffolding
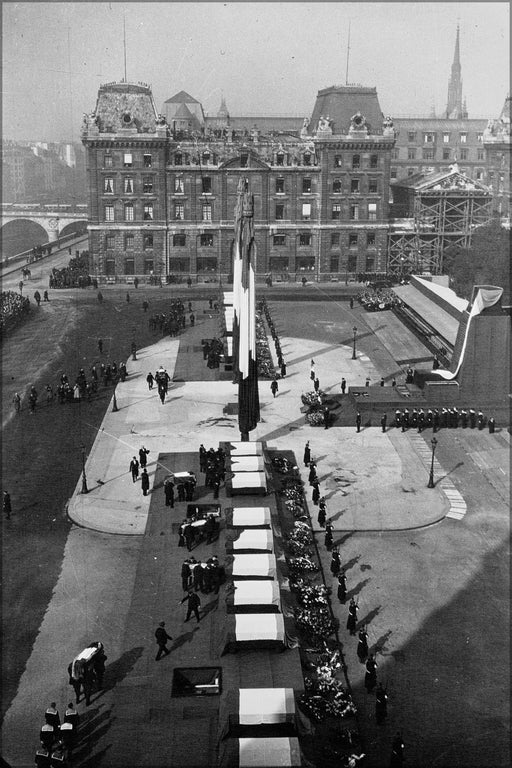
(444, 212)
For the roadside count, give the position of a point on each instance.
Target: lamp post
(430, 484)
(354, 330)
(84, 478)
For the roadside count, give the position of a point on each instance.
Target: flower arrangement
(282, 465)
(316, 621)
(326, 698)
(310, 595)
(301, 564)
(313, 399)
(301, 532)
(315, 418)
(298, 548)
(265, 365)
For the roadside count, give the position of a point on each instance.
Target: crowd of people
(170, 323)
(75, 275)
(445, 418)
(13, 307)
(376, 300)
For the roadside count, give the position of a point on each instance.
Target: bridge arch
(18, 235)
(79, 226)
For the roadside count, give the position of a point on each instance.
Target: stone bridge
(53, 219)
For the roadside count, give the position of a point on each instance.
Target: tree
(486, 262)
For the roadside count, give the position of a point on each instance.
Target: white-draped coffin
(247, 517)
(265, 705)
(247, 464)
(240, 448)
(254, 539)
(261, 566)
(269, 751)
(257, 627)
(256, 593)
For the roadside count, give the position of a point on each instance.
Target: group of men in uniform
(445, 418)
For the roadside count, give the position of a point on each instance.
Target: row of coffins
(247, 469)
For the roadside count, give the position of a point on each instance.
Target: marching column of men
(444, 418)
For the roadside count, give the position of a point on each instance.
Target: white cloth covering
(243, 516)
(259, 626)
(255, 539)
(265, 705)
(246, 448)
(184, 476)
(254, 565)
(249, 480)
(256, 593)
(271, 752)
(247, 464)
(227, 298)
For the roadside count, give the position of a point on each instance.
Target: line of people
(57, 739)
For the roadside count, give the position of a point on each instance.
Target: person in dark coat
(370, 678)
(185, 575)
(381, 704)
(76, 684)
(202, 458)
(327, 417)
(328, 538)
(480, 420)
(7, 505)
(143, 453)
(99, 667)
(316, 384)
(274, 386)
(181, 491)
(342, 587)
(193, 606)
(321, 512)
(362, 645)
(352, 616)
(358, 422)
(307, 454)
(316, 492)
(150, 380)
(383, 421)
(134, 469)
(312, 472)
(335, 562)
(210, 529)
(197, 576)
(161, 638)
(343, 386)
(144, 479)
(169, 492)
(283, 369)
(188, 533)
(51, 716)
(491, 423)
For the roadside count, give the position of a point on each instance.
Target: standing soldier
(274, 386)
(435, 420)
(491, 423)
(352, 616)
(405, 420)
(144, 479)
(398, 417)
(370, 678)
(316, 492)
(312, 472)
(383, 420)
(7, 505)
(307, 454)
(169, 492)
(480, 420)
(362, 645)
(134, 469)
(464, 418)
(358, 422)
(143, 454)
(335, 562)
(472, 418)
(161, 638)
(343, 386)
(327, 417)
(328, 538)
(321, 512)
(283, 369)
(342, 586)
(312, 371)
(381, 706)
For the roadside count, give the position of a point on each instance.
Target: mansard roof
(125, 106)
(341, 102)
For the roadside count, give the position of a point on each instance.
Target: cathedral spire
(454, 108)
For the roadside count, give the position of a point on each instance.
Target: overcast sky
(267, 58)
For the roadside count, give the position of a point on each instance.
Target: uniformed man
(398, 417)
(161, 638)
(52, 716)
(435, 420)
(71, 716)
(47, 736)
(405, 420)
(480, 420)
(42, 758)
(134, 469)
(358, 422)
(464, 418)
(193, 605)
(492, 425)
(383, 420)
(472, 418)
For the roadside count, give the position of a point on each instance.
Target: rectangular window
(354, 212)
(395, 154)
(179, 241)
(333, 263)
(279, 240)
(306, 186)
(128, 160)
(480, 154)
(280, 158)
(206, 185)
(206, 264)
(129, 266)
(372, 186)
(411, 136)
(306, 211)
(370, 263)
(352, 240)
(206, 240)
(107, 161)
(110, 242)
(306, 158)
(147, 242)
(110, 267)
(463, 138)
(178, 158)
(463, 154)
(207, 211)
(338, 161)
(446, 154)
(354, 185)
(356, 161)
(129, 242)
(108, 185)
(429, 138)
(372, 211)
(206, 158)
(393, 173)
(149, 266)
(109, 213)
(244, 159)
(305, 239)
(128, 185)
(428, 154)
(178, 185)
(147, 184)
(335, 238)
(279, 186)
(479, 175)
(374, 161)
(336, 186)
(147, 160)
(352, 263)
(279, 212)
(128, 212)
(480, 137)
(446, 138)
(370, 239)
(411, 153)
(148, 211)
(179, 211)
(336, 211)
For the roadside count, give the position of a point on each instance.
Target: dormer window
(280, 158)
(178, 158)
(244, 159)
(206, 158)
